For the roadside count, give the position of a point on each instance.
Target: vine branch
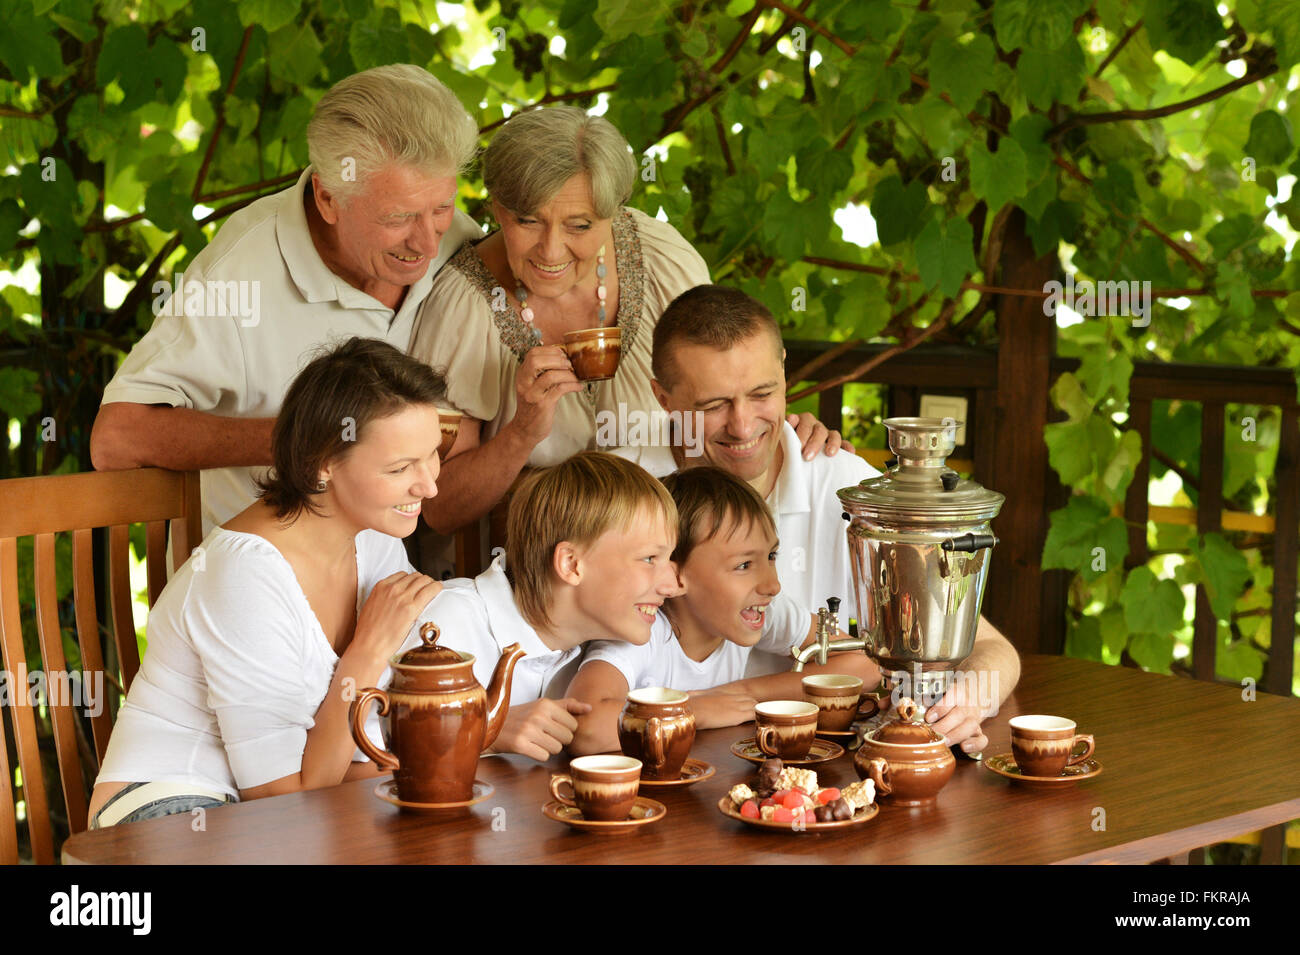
(220, 124)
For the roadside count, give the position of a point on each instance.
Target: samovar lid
(921, 488)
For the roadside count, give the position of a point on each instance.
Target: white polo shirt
(480, 616)
(239, 362)
(813, 560)
(662, 662)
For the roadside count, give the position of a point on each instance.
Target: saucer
(693, 770)
(728, 809)
(820, 751)
(1005, 765)
(387, 791)
(644, 811)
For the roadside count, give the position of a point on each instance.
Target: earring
(321, 485)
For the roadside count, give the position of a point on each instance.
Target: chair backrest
(40, 508)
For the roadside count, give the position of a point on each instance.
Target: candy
(828, 795)
(793, 800)
(750, 810)
(783, 815)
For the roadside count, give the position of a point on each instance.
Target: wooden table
(1185, 764)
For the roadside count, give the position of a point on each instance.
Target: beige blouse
(480, 350)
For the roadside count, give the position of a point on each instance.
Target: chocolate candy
(841, 808)
(824, 814)
(768, 773)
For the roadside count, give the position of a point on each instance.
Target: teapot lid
(921, 488)
(429, 654)
(906, 728)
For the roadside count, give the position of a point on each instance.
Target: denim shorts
(152, 801)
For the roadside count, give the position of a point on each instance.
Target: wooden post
(1027, 337)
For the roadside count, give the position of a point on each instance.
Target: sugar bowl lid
(906, 728)
(429, 654)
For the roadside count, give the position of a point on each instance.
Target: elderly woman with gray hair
(568, 256)
(567, 252)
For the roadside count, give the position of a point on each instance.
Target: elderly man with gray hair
(351, 249)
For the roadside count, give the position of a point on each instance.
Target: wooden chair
(41, 507)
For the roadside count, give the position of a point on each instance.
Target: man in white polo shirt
(349, 250)
(718, 352)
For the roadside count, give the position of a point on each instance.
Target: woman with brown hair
(257, 640)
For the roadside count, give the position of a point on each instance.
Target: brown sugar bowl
(907, 760)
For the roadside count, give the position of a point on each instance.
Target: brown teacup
(785, 728)
(594, 352)
(836, 697)
(604, 788)
(1045, 745)
(449, 424)
(657, 726)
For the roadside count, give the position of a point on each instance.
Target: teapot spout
(498, 692)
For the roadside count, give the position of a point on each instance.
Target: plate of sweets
(790, 799)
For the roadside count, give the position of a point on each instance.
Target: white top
(812, 562)
(480, 617)
(661, 662)
(241, 366)
(236, 669)
(481, 350)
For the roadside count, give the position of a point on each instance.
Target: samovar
(919, 543)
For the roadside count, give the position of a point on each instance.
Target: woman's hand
(389, 611)
(815, 437)
(544, 377)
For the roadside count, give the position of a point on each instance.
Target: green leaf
(377, 41)
(1045, 26)
(1270, 141)
(1083, 642)
(270, 15)
(1232, 233)
(1237, 659)
(898, 209)
(1187, 29)
(1226, 572)
(1282, 19)
(999, 177)
(1151, 606)
(1152, 651)
(696, 44)
(1114, 634)
(620, 18)
(1085, 538)
(944, 255)
(953, 64)
(1059, 221)
(1184, 215)
(295, 54)
(824, 171)
(1119, 471)
(1051, 76)
(1028, 131)
(20, 397)
(867, 19)
(1068, 395)
(1117, 187)
(26, 46)
(785, 225)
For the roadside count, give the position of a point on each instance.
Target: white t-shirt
(480, 617)
(240, 366)
(812, 562)
(236, 668)
(661, 662)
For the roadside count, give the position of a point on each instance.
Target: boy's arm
(603, 686)
(789, 685)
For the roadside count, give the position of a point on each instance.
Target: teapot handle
(357, 717)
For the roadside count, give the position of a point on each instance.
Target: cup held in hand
(594, 352)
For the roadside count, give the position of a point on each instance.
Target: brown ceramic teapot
(439, 719)
(906, 758)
